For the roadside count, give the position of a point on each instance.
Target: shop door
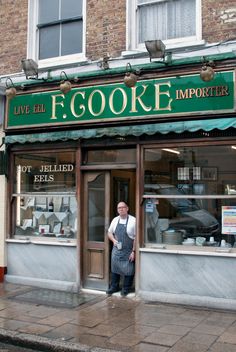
(95, 225)
(102, 191)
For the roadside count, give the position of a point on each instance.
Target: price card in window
(149, 206)
(229, 220)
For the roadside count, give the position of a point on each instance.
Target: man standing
(122, 232)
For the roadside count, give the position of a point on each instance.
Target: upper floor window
(172, 21)
(56, 31)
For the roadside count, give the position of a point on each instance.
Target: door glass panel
(110, 156)
(96, 209)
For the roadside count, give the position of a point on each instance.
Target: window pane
(41, 173)
(71, 8)
(48, 11)
(46, 216)
(167, 20)
(49, 42)
(44, 195)
(173, 173)
(71, 38)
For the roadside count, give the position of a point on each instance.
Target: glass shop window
(190, 196)
(44, 201)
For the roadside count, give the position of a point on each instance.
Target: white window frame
(33, 40)
(132, 32)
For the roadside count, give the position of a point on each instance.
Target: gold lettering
(204, 92)
(225, 91)
(191, 92)
(124, 98)
(90, 102)
(81, 106)
(38, 108)
(181, 94)
(55, 103)
(158, 94)
(135, 98)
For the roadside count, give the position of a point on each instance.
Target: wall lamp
(207, 73)
(131, 77)
(10, 89)
(30, 68)
(65, 85)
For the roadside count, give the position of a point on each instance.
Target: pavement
(48, 320)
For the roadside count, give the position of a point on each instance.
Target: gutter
(140, 68)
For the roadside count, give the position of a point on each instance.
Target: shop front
(166, 146)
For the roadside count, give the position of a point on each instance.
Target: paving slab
(94, 322)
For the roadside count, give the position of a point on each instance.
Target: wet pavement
(50, 320)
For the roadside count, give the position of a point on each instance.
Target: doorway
(102, 191)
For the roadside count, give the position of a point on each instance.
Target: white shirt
(131, 225)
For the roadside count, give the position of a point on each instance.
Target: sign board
(229, 220)
(152, 99)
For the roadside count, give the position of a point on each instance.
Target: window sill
(62, 61)
(28, 240)
(177, 47)
(191, 250)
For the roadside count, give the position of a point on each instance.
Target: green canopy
(131, 130)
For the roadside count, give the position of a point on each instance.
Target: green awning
(124, 131)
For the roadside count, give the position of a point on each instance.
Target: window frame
(17, 196)
(132, 30)
(33, 40)
(206, 196)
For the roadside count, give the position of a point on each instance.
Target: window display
(44, 195)
(185, 192)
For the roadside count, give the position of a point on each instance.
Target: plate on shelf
(210, 243)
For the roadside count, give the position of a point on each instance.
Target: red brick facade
(105, 31)
(13, 34)
(218, 20)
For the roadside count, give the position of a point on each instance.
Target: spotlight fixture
(30, 68)
(104, 63)
(65, 85)
(207, 73)
(130, 78)
(10, 89)
(155, 48)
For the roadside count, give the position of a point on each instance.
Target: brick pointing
(106, 28)
(219, 20)
(13, 34)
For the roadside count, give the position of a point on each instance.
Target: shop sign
(165, 97)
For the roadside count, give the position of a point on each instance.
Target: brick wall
(219, 20)
(106, 28)
(13, 34)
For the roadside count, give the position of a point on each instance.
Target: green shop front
(166, 146)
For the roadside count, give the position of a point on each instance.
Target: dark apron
(120, 263)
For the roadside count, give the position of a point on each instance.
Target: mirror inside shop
(190, 196)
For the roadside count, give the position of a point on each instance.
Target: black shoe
(111, 290)
(124, 293)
